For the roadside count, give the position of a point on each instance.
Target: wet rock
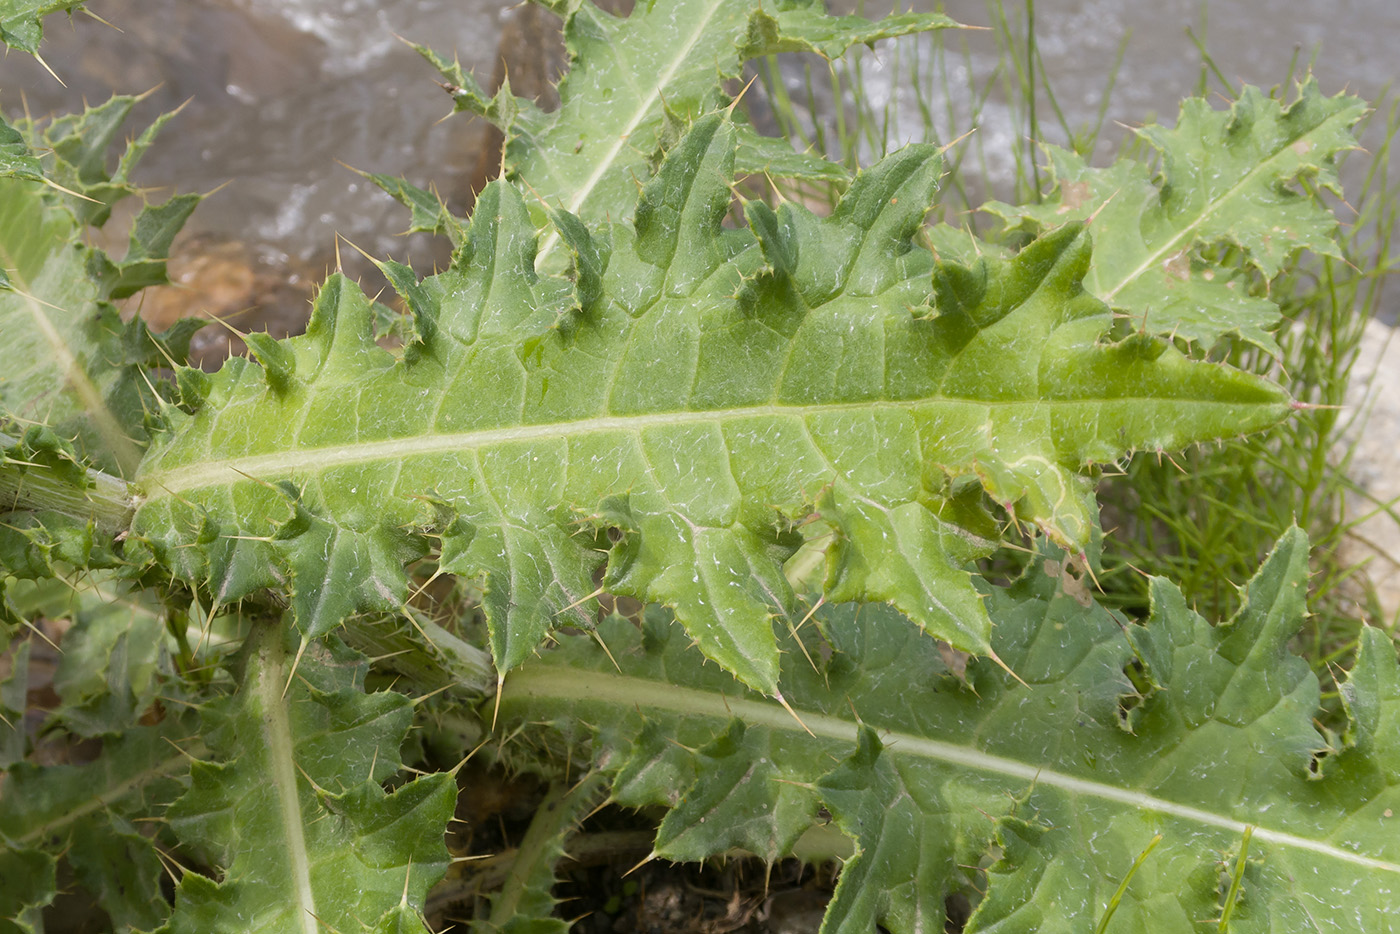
(1375, 466)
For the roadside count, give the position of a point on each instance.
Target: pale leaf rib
(562, 685)
(523, 433)
(1044, 785)
(158, 483)
(281, 752)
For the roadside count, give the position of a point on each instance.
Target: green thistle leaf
(1034, 802)
(1244, 178)
(633, 77)
(693, 391)
(92, 813)
(71, 362)
(21, 21)
(291, 811)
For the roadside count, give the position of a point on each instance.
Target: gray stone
(1375, 465)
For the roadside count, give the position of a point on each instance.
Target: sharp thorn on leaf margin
(778, 696)
(1005, 667)
(295, 663)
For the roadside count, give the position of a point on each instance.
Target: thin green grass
(1206, 518)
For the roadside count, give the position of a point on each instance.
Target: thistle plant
(791, 441)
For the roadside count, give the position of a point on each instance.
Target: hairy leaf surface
(290, 809)
(693, 391)
(113, 690)
(630, 76)
(1032, 801)
(100, 815)
(1246, 178)
(70, 362)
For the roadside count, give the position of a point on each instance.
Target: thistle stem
(106, 501)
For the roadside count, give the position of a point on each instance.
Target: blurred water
(1347, 45)
(280, 91)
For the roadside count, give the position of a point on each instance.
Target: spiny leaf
(430, 215)
(70, 361)
(16, 158)
(79, 509)
(526, 902)
(806, 27)
(1246, 178)
(80, 144)
(116, 654)
(694, 392)
(775, 158)
(105, 817)
(628, 74)
(31, 883)
(291, 810)
(21, 21)
(152, 233)
(52, 318)
(117, 863)
(101, 817)
(1371, 698)
(89, 813)
(1031, 801)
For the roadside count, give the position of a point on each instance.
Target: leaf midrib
(270, 688)
(105, 799)
(571, 684)
(161, 483)
(1188, 232)
(644, 109)
(122, 448)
